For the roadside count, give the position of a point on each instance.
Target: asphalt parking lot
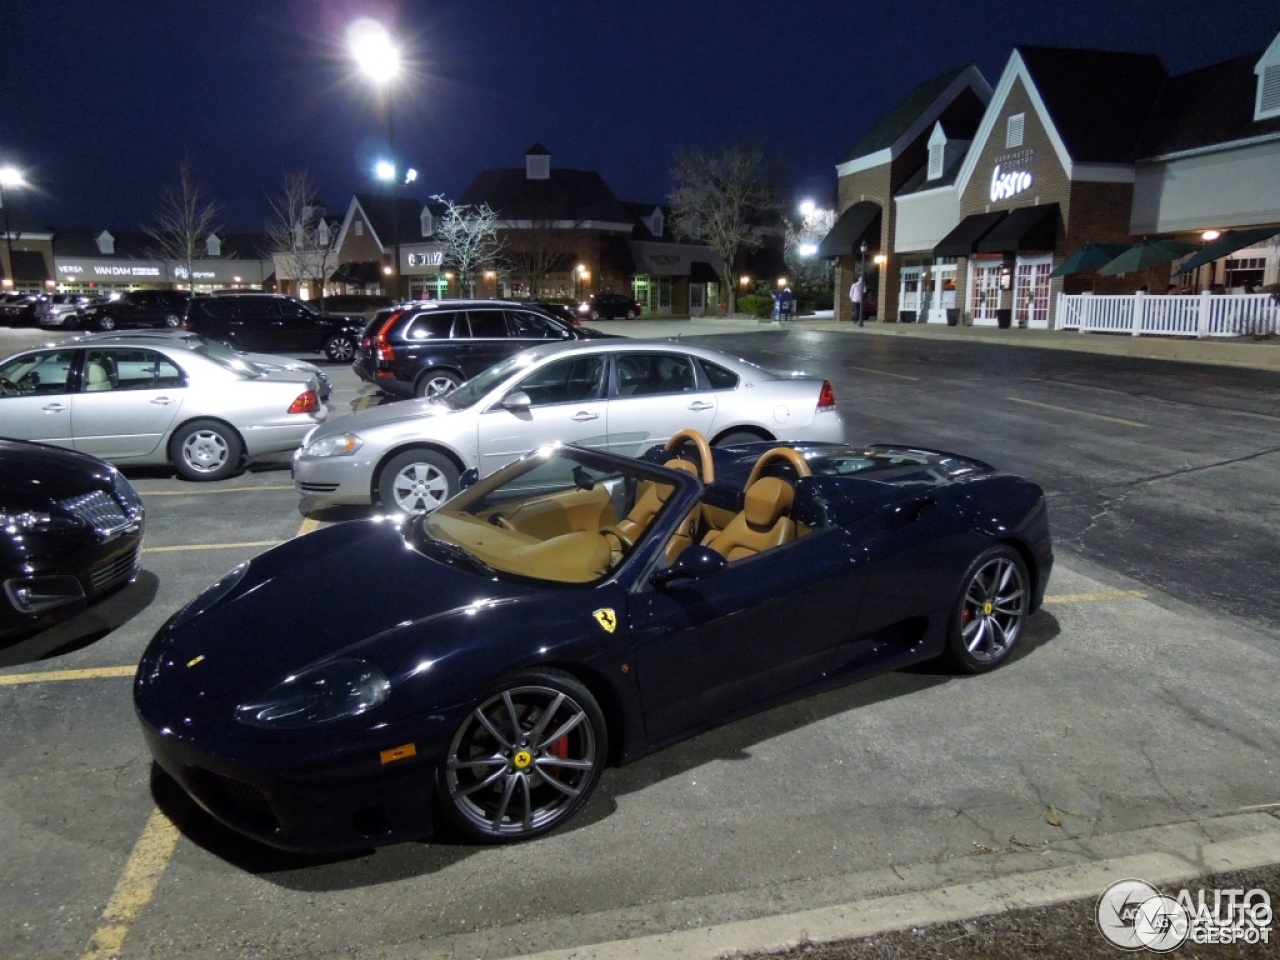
(1143, 697)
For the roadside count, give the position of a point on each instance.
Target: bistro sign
(1006, 183)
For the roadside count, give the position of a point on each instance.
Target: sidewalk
(1243, 352)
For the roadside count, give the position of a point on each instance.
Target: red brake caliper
(560, 748)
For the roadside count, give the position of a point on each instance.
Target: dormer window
(1013, 133)
(106, 244)
(213, 245)
(428, 225)
(1267, 104)
(653, 222)
(322, 234)
(937, 153)
(537, 163)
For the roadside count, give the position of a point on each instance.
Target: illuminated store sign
(74, 269)
(1005, 185)
(181, 274)
(424, 259)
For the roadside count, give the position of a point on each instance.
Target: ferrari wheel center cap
(988, 607)
(522, 759)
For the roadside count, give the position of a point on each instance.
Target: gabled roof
(83, 242)
(245, 246)
(1098, 100)
(537, 150)
(566, 195)
(1213, 105)
(377, 210)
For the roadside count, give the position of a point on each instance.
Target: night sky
(99, 99)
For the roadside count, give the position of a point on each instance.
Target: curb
(947, 904)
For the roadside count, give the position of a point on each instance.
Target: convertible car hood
(309, 600)
(377, 416)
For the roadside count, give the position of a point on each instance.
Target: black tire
(436, 383)
(737, 436)
(990, 611)
(205, 450)
(340, 349)
(518, 802)
(172, 321)
(417, 481)
(106, 321)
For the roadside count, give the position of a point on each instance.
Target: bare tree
(304, 243)
(716, 197)
(540, 247)
(801, 242)
(468, 237)
(186, 218)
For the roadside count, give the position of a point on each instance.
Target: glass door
(1031, 292)
(642, 290)
(697, 299)
(984, 291)
(909, 291)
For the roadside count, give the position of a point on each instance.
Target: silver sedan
(147, 401)
(621, 395)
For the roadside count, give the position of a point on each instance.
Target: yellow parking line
(135, 888)
(363, 402)
(212, 546)
(47, 676)
(1095, 597)
(1078, 413)
(884, 373)
(199, 493)
(308, 526)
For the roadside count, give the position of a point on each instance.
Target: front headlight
(343, 446)
(28, 521)
(331, 691)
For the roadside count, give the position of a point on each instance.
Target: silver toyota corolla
(622, 395)
(147, 401)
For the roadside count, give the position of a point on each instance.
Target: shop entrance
(984, 290)
(697, 299)
(1031, 292)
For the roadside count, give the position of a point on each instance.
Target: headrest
(679, 464)
(767, 500)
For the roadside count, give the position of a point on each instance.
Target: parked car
(70, 532)
(619, 394)
(275, 368)
(137, 308)
(151, 402)
(489, 660)
(270, 323)
(62, 310)
(560, 311)
(429, 348)
(610, 306)
(20, 309)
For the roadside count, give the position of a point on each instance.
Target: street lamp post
(9, 177)
(862, 276)
(379, 59)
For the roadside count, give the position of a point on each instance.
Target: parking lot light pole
(9, 177)
(379, 60)
(862, 275)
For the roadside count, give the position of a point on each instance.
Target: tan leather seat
(96, 377)
(764, 522)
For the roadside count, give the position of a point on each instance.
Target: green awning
(1090, 257)
(1149, 254)
(1228, 243)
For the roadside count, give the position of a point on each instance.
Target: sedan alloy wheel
(525, 759)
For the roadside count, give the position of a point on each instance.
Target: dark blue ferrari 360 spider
(577, 608)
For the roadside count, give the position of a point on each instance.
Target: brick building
(1074, 147)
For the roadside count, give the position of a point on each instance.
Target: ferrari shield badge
(606, 618)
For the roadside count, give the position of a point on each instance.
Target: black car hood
(32, 474)
(344, 591)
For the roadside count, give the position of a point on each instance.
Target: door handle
(162, 401)
(54, 407)
(583, 416)
(699, 405)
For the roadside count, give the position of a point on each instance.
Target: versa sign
(1006, 185)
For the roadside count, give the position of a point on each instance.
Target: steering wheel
(8, 388)
(612, 529)
(786, 454)
(706, 466)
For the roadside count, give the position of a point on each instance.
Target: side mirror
(469, 478)
(519, 400)
(694, 563)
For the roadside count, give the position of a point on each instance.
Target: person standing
(857, 294)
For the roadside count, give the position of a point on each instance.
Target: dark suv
(267, 323)
(137, 308)
(610, 306)
(427, 349)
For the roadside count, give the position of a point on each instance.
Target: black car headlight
(210, 596)
(36, 521)
(321, 694)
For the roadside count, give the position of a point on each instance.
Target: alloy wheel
(420, 488)
(521, 760)
(995, 604)
(205, 451)
(438, 387)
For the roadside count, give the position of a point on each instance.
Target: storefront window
(1245, 271)
(1031, 292)
(642, 290)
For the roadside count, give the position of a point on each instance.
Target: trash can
(953, 316)
(1004, 318)
(906, 316)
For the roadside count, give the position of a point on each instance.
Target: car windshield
(562, 515)
(479, 385)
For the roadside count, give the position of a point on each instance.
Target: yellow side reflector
(192, 663)
(401, 752)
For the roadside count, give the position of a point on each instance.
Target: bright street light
(373, 51)
(10, 177)
(411, 175)
(807, 207)
(385, 170)
(808, 249)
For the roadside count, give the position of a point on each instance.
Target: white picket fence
(1143, 315)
